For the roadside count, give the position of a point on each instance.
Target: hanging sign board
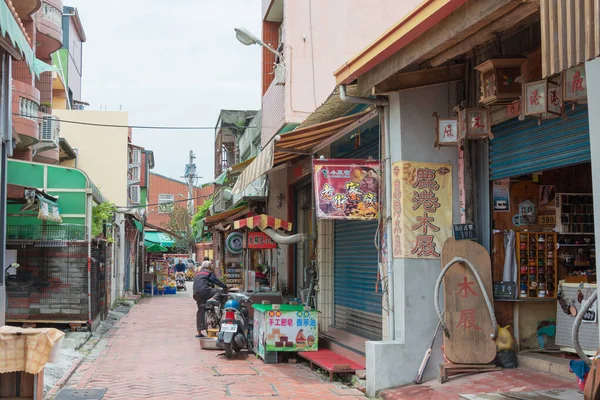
(347, 189)
(421, 208)
(259, 240)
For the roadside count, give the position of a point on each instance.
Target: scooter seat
(212, 302)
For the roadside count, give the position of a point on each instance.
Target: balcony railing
(28, 109)
(52, 14)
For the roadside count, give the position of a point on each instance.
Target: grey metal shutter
(524, 147)
(357, 298)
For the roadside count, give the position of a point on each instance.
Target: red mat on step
(326, 359)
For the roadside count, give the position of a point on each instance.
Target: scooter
(236, 331)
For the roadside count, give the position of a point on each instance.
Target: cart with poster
(165, 278)
(284, 328)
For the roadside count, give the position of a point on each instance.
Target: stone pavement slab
(508, 380)
(151, 353)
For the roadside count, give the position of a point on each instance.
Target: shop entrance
(543, 224)
(356, 294)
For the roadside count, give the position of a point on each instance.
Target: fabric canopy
(296, 144)
(228, 215)
(158, 238)
(10, 26)
(40, 67)
(156, 248)
(263, 221)
(138, 225)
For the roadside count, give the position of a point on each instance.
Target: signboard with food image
(288, 328)
(347, 189)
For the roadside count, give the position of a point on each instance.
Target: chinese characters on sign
(543, 98)
(468, 316)
(347, 189)
(260, 240)
(421, 209)
(446, 131)
(575, 83)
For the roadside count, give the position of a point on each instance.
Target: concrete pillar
(412, 130)
(592, 72)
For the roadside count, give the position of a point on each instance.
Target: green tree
(197, 220)
(180, 223)
(101, 214)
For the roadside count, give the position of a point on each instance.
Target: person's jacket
(181, 267)
(205, 280)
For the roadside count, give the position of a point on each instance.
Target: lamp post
(248, 39)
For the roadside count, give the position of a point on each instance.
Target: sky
(171, 63)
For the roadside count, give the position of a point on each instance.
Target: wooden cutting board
(465, 312)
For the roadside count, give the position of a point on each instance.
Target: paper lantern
(498, 80)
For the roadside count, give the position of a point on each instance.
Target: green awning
(39, 67)
(156, 248)
(138, 225)
(219, 180)
(159, 238)
(8, 25)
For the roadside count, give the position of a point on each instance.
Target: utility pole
(190, 176)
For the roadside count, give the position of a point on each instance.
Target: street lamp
(248, 39)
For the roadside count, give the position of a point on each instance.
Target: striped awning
(262, 221)
(297, 144)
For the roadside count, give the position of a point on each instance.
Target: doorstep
(345, 344)
(546, 362)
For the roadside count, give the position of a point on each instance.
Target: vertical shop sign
(347, 189)
(422, 209)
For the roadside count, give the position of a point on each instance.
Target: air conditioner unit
(50, 130)
(134, 194)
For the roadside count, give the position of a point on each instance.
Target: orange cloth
(26, 349)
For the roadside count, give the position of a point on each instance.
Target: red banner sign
(347, 189)
(259, 240)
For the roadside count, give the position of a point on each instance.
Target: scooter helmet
(233, 304)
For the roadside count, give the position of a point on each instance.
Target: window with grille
(135, 174)
(165, 203)
(134, 194)
(136, 156)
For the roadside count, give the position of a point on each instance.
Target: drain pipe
(285, 239)
(380, 103)
(360, 100)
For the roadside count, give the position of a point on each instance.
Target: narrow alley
(152, 354)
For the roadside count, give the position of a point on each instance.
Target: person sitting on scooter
(204, 283)
(180, 266)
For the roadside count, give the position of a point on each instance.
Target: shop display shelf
(537, 263)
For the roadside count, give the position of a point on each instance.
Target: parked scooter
(236, 330)
(213, 310)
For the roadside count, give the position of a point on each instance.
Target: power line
(170, 128)
(166, 203)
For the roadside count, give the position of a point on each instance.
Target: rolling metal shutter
(357, 301)
(524, 147)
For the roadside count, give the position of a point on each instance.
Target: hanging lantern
(498, 80)
(446, 131)
(575, 84)
(543, 99)
(475, 123)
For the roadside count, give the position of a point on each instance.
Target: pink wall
(340, 29)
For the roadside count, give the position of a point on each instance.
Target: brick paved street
(153, 355)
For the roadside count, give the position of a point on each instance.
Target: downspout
(360, 100)
(89, 260)
(285, 239)
(388, 227)
(388, 199)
